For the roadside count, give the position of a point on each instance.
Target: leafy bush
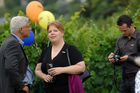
(94, 41)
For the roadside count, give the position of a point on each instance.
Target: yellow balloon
(44, 18)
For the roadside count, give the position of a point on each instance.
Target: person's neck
(58, 44)
(132, 32)
(19, 35)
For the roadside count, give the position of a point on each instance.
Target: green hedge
(94, 41)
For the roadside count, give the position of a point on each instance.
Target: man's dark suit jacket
(13, 66)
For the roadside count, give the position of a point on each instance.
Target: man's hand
(110, 57)
(123, 58)
(26, 89)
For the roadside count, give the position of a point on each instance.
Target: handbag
(75, 84)
(83, 76)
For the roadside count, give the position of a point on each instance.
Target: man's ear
(20, 30)
(132, 24)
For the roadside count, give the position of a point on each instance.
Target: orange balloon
(33, 9)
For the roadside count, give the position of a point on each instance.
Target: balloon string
(35, 28)
(36, 45)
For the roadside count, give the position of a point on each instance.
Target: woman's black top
(60, 82)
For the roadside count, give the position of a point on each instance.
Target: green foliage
(95, 40)
(4, 28)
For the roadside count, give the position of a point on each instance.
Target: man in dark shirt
(127, 47)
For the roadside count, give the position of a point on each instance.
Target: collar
(20, 41)
(133, 35)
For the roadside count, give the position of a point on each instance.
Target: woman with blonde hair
(53, 66)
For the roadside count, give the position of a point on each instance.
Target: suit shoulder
(10, 40)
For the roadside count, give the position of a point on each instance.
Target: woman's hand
(55, 71)
(73, 69)
(47, 78)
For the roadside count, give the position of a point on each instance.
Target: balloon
(44, 18)
(29, 40)
(33, 9)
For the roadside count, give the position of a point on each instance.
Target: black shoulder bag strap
(85, 75)
(68, 56)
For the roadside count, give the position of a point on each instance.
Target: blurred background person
(127, 48)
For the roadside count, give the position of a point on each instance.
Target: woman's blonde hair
(57, 24)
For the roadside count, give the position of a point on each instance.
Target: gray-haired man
(13, 61)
